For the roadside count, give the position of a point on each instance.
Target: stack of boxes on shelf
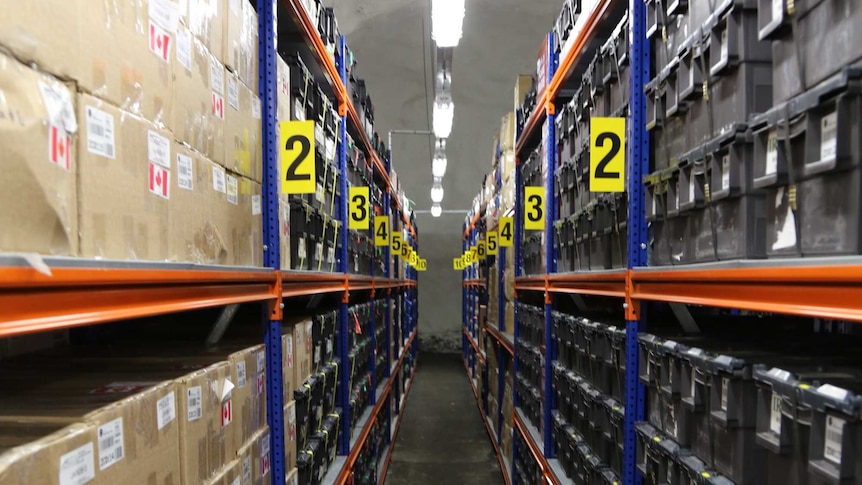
(746, 411)
(590, 231)
(500, 401)
(135, 135)
(167, 413)
(750, 142)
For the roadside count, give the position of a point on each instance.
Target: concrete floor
(442, 438)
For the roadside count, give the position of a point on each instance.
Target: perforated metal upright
(343, 349)
(638, 164)
(549, 139)
(271, 257)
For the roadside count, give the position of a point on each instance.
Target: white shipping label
(216, 76)
(261, 362)
(775, 414)
(772, 153)
(724, 45)
(184, 48)
(319, 193)
(194, 409)
(236, 481)
(185, 172)
(318, 251)
(234, 6)
(232, 190)
(829, 137)
(289, 357)
(240, 374)
(725, 172)
(166, 13)
(246, 470)
(58, 104)
(691, 186)
(676, 196)
(833, 440)
(330, 255)
(725, 383)
(299, 110)
(233, 93)
(219, 184)
(255, 205)
(100, 133)
(110, 443)
(777, 9)
(158, 149)
(255, 107)
(264, 455)
(300, 248)
(693, 385)
(78, 466)
(166, 410)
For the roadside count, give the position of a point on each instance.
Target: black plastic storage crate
(806, 156)
(835, 440)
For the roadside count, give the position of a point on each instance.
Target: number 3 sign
(607, 155)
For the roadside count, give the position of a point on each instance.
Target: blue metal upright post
(387, 270)
(550, 257)
(272, 259)
(638, 159)
(343, 350)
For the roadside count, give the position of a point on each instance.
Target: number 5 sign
(607, 155)
(298, 172)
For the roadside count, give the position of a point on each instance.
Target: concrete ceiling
(392, 43)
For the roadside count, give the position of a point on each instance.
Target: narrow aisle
(442, 438)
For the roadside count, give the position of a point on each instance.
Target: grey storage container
(694, 471)
(646, 455)
(835, 445)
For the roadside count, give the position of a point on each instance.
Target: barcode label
(110, 443)
(232, 190)
(264, 455)
(240, 374)
(300, 248)
(255, 205)
(261, 361)
(834, 439)
(166, 410)
(100, 132)
(184, 48)
(233, 93)
(246, 470)
(255, 107)
(724, 48)
(775, 414)
(289, 356)
(194, 409)
(77, 467)
(185, 172)
(216, 76)
(725, 383)
(725, 172)
(829, 137)
(158, 149)
(219, 184)
(165, 13)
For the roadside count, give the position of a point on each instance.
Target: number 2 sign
(607, 155)
(298, 171)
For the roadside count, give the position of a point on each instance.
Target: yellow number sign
(607, 154)
(298, 171)
(381, 231)
(534, 208)
(507, 232)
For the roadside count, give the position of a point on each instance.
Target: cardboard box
(38, 126)
(198, 211)
(510, 318)
(507, 166)
(241, 42)
(292, 477)
(200, 98)
(254, 458)
(126, 55)
(44, 33)
(282, 90)
(231, 474)
(483, 311)
(38, 452)
(302, 342)
(507, 195)
(522, 85)
(203, 429)
(245, 221)
(207, 20)
(243, 149)
(507, 132)
(248, 373)
(290, 435)
(288, 371)
(124, 175)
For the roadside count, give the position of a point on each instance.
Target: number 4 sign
(607, 154)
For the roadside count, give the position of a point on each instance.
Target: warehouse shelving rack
(43, 294)
(829, 288)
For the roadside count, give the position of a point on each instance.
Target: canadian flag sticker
(218, 105)
(226, 413)
(160, 181)
(160, 41)
(60, 147)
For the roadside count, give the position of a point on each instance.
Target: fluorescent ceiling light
(436, 210)
(444, 112)
(447, 19)
(437, 193)
(438, 165)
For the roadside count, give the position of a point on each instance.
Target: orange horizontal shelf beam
(601, 283)
(535, 451)
(473, 344)
(488, 429)
(597, 16)
(31, 301)
(533, 121)
(826, 291)
(499, 337)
